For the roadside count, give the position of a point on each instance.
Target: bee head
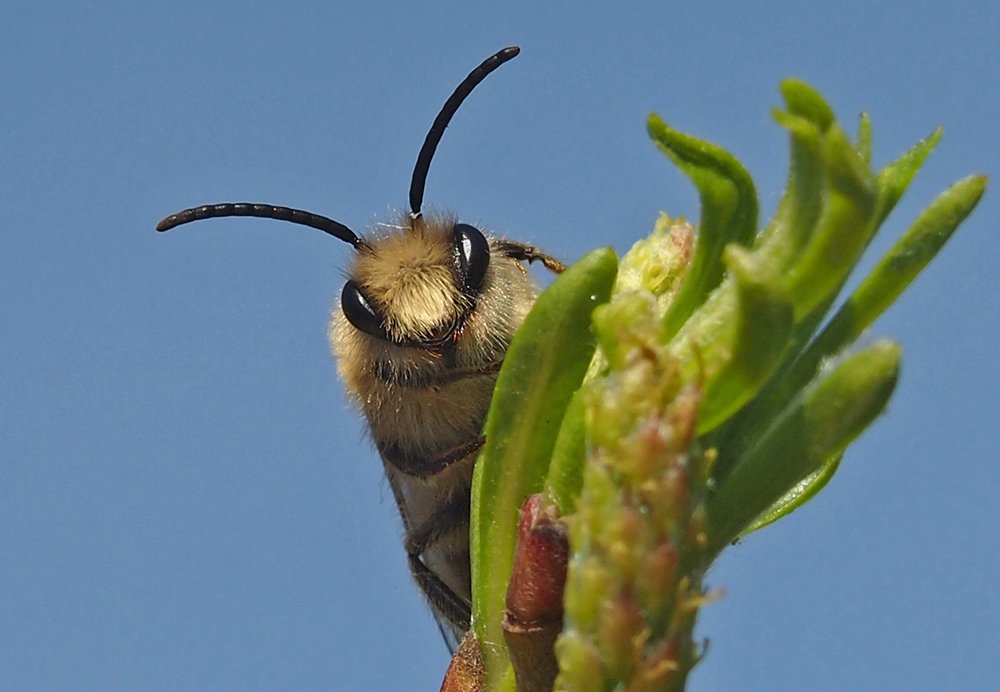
(417, 286)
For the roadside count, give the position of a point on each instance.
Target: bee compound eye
(360, 313)
(473, 252)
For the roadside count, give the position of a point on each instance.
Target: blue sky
(186, 499)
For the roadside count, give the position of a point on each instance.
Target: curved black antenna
(444, 117)
(262, 211)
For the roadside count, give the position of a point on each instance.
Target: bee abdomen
(419, 466)
(432, 492)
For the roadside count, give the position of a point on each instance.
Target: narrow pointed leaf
(762, 324)
(807, 119)
(794, 222)
(728, 213)
(893, 180)
(801, 493)
(802, 100)
(565, 477)
(543, 367)
(819, 424)
(864, 143)
(844, 230)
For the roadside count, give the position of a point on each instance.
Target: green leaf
(804, 101)
(918, 246)
(728, 213)
(544, 366)
(864, 144)
(893, 180)
(844, 229)
(565, 478)
(793, 223)
(736, 340)
(801, 493)
(816, 426)
(808, 121)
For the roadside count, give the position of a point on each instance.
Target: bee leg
(452, 515)
(449, 516)
(452, 607)
(529, 253)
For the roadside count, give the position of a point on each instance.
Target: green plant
(696, 393)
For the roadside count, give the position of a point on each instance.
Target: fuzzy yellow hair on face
(412, 278)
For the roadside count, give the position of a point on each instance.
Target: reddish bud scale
(465, 673)
(535, 596)
(535, 592)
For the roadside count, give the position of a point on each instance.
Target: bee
(423, 323)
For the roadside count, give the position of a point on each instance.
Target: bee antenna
(444, 117)
(262, 211)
